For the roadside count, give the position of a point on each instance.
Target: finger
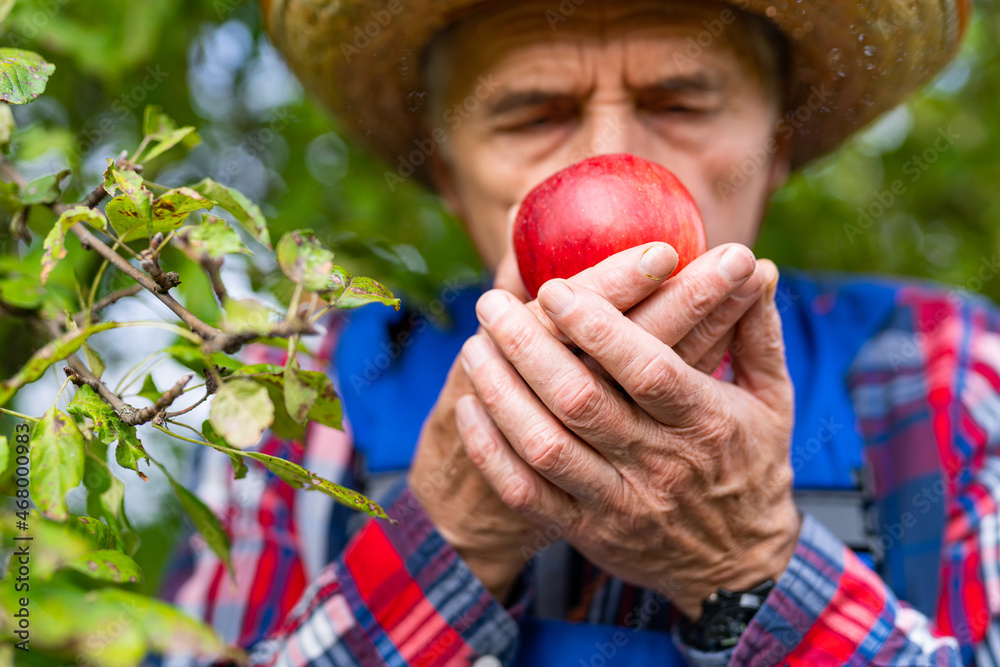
(580, 400)
(693, 294)
(718, 324)
(518, 485)
(537, 436)
(648, 370)
(759, 352)
(624, 279)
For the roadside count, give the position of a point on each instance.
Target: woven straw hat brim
(850, 61)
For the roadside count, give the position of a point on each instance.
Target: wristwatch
(724, 617)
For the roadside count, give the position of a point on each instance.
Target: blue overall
(825, 322)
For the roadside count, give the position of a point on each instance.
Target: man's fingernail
(737, 263)
(465, 412)
(556, 297)
(770, 291)
(491, 306)
(659, 261)
(474, 353)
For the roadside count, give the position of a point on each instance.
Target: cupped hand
(495, 541)
(681, 483)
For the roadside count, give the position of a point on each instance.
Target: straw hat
(851, 60)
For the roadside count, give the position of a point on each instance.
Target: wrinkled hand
(495, 541)
(683, 484)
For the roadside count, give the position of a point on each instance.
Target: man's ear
(443, 177)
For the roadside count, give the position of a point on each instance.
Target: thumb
(758, 349)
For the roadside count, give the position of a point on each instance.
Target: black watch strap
(724, 617)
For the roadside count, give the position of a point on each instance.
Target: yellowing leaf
(214, 237)
(56, 462)
(245, 211)
(54, 351)
(304, 259)
(241, 412)
(55, 241)
(172, 208)
(345, 291)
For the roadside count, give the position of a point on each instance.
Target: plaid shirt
(318, 585)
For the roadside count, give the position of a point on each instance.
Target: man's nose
(607, 132)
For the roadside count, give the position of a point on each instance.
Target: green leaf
(86, 403)
(127, 180)
(239, 465)
(108, 427)
(4, 453)
(304, 259)
(107, 565)
(241, 412)
(166, 141)
(130, 213)
(130, 451)
(56, 462)
(23, 75)
(7, 124)
(55, 248)
(105, 494)
(214, 237)
(204, 520)
(44, 190)
(154, 121)
(149, 389)
(300, 478)
(234, 201)
(94, 361)
(54, 351)
(167, 628)
(244, 315)
(299, 395)
(309, 395)
(129, 219)
(172, 208)
(345, 290)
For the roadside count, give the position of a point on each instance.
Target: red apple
(598, 207)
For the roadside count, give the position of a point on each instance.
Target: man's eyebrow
(700, 82)
(520, 99)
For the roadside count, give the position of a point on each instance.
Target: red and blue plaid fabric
(316, 585)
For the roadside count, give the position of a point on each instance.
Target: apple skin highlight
(598, 207)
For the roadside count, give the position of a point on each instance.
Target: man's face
(525, 93)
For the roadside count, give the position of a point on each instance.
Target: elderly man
(589, 486)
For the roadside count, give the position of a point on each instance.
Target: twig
(196, 325)
(150, 261)
(79, 375)
(170, 415)
(212, 266)
(230, 343)
(106, 301)
(18, 415)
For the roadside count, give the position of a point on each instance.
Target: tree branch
(204, 330)
(212, 266)
(79, 375)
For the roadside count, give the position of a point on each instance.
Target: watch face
(724, 629)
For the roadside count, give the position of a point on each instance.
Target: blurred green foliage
(209, 65)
